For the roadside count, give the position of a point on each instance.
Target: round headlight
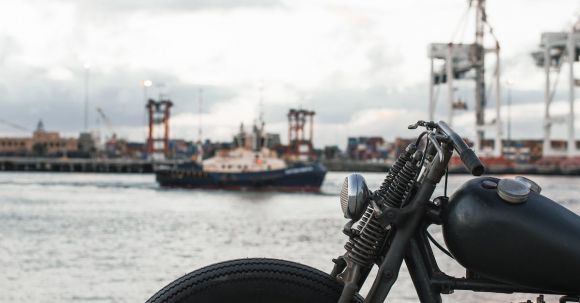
(354, 196)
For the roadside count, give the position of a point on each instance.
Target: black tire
(253, 281)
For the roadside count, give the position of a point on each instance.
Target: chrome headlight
(354, 196)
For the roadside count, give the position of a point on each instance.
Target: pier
(148, 166)
(80, 165)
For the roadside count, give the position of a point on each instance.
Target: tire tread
(247, 269)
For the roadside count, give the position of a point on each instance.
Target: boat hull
(305, 177)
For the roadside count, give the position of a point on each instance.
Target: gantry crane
(459, 60)
(557, 49)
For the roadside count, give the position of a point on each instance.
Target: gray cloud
(27, 96)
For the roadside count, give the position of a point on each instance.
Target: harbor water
(119, 238)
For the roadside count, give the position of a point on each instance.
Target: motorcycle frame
(411, 244)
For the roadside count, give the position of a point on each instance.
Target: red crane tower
(158, 139)
(299, 145)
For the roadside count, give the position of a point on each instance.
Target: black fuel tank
(534, 244)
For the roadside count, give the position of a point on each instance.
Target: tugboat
(249, 166)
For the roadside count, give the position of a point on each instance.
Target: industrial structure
(463, 61)
(300, 146)
(158, 135)
(556, 50)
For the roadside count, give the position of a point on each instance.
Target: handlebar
(468, 157)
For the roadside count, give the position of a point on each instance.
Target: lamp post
(199, 134)
(509, 84)
(146, 84)
(87, 67)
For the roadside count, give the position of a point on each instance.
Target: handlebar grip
(468, 157)
(472, 162)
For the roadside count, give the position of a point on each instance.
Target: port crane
(556, 50)
(107, 122)
(459, 59)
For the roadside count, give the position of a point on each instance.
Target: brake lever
(430, 125)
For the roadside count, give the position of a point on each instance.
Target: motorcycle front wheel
(255, 281)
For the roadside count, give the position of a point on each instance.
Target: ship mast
(258, 129)
(261, 107)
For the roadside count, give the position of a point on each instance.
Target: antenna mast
(261, 106)
(199, 131)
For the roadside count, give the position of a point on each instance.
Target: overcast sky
(361, 65)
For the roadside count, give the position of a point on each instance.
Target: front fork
(409, 220)
(391, 264)
(353, 275)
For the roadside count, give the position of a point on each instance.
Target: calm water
(119, 238)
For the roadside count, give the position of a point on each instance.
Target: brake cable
(446, 178)
(420, 137)
(424, 151)
(445, 251)
(441, 248)
(427, 143)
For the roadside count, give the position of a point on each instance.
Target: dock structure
(158, 136)
(459, 61)
(80, 165)
(300, 146)
(556, 50)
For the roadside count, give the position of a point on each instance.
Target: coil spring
(362, 249)
(364, 246)
(401, 187)
(395, 169)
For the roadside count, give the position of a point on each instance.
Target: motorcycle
(507, 236)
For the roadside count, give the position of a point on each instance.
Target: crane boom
(14, 125)
(106, 120)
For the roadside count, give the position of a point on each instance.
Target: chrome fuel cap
(512, 191)
(533, 186)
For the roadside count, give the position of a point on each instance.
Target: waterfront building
(41, 143)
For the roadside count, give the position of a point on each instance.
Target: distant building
(15, 146)
(121, 148)
(331, 152)
(135, 150)
(41, 144)
(367, 148)
(181, 149)
(87, 144)
(530, 150)
(400, 145)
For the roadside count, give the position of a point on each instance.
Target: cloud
(362, 66)
(56, 95)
